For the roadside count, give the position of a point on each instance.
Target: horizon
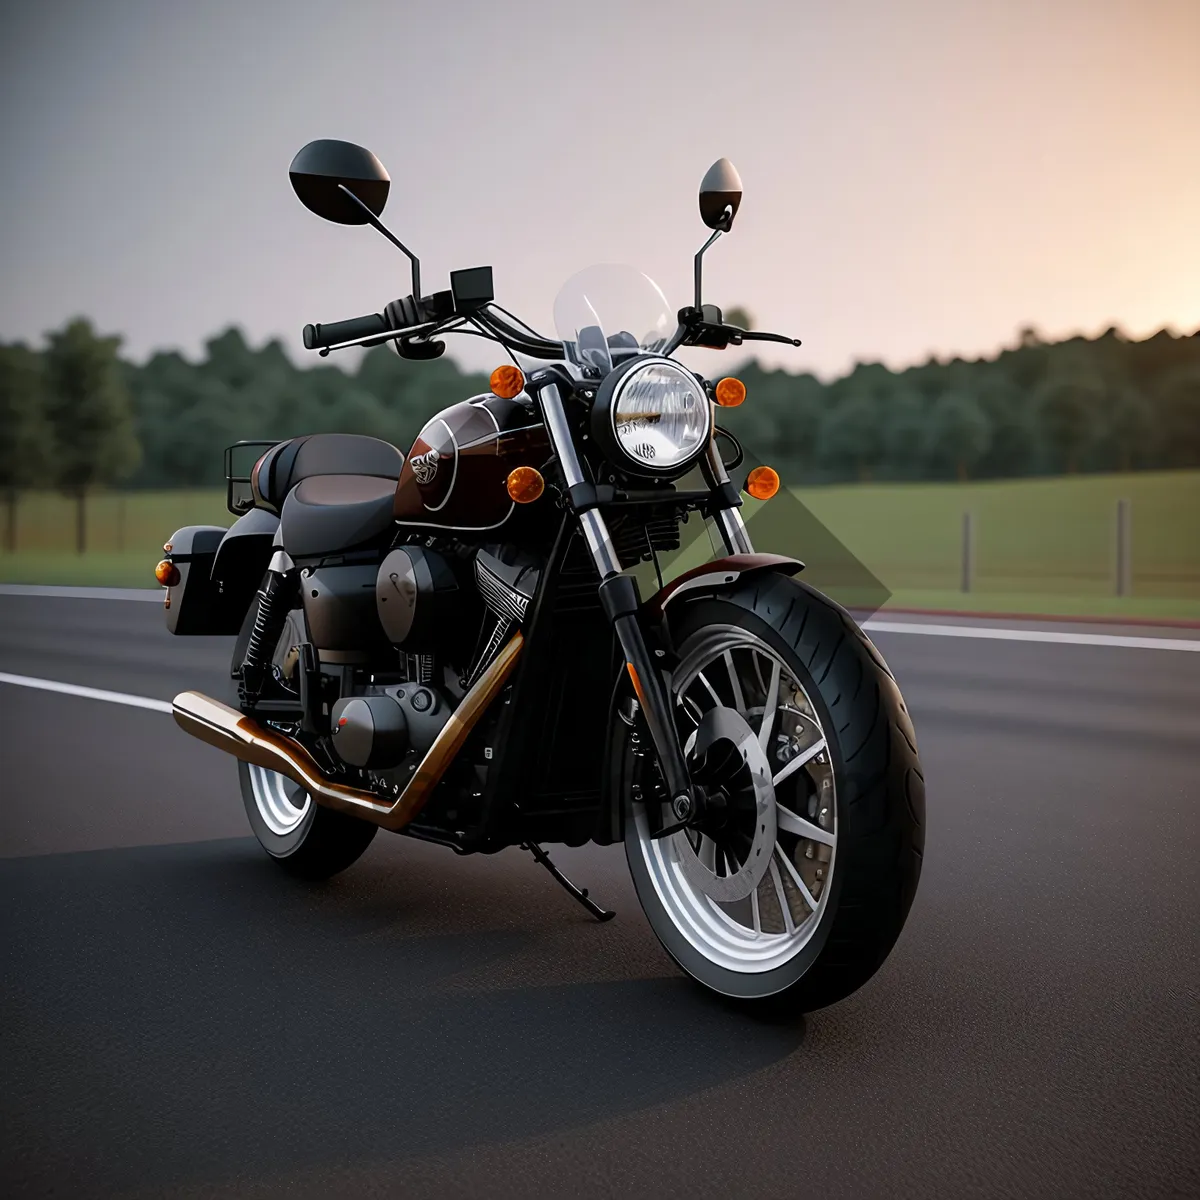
(922, 182)
(350, 359)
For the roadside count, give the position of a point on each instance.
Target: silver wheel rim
(281, 803)
(727, 665)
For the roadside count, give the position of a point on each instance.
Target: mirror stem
(699, 261)
(372, 219)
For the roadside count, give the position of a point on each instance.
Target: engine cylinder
(417, 599)
(369, 731)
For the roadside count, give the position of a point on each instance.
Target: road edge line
(80, 593)
(86, 693)
(1059, 637)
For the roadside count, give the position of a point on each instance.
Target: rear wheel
(797, 884)
(307, 840)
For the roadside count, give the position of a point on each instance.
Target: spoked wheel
(727, 667)
(305, 839)
(782, 886)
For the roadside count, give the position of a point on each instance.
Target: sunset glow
(920, 178)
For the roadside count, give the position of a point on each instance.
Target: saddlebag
(191, 605)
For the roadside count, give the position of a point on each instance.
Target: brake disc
(727, 724)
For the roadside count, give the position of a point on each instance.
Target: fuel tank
(455, 474)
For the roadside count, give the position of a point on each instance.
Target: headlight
(659, 415)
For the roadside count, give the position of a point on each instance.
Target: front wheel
(797, 884)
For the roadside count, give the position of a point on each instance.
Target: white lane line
(81, 593)
(74, 689)
(1033, 635)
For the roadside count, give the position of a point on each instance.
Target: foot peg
(580, 894)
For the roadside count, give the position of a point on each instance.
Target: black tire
(323, 842)
(880, 795)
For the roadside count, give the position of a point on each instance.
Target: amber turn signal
(507, 382)
(167, 573)
(762, 483)
(730, 392)
(525, 484)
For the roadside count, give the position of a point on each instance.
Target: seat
(330, 514)
(285, 465)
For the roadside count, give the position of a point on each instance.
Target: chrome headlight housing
(653, 416)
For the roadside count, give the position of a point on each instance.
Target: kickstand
(580, 894)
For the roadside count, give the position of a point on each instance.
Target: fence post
(10, 531)
(968, 550)
(1124, 548)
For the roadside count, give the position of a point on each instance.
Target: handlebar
(411, 322)
(320, 337)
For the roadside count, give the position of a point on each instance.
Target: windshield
(607, 312)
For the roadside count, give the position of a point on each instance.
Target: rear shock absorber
(275, 599)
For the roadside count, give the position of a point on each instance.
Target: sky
(921, 176)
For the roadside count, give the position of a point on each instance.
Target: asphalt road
(178, 1018)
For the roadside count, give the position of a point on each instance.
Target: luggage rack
(239, 498)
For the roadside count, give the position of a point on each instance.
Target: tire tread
(881, 788)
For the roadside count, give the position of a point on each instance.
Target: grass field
(1040, 545)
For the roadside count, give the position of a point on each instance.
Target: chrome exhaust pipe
(244, 738)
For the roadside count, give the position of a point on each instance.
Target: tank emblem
(425, 465)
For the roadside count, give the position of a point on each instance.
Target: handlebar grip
(320, 337)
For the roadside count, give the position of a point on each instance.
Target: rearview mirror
(322, 167)
(720, 195)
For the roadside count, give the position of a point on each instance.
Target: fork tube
(621, 601)
(728, 520)
(595, 528)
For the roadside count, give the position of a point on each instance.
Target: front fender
(719, 573)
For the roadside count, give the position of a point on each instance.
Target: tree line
(75, 415)
(1107, 403)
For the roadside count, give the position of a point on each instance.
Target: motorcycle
(451, 644)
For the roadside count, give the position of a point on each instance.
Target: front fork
(622, 601)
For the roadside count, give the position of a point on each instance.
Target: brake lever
(380, 339)
(408, 318)
(748, 335)
(716, 335)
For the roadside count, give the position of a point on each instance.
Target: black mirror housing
(322, 168)
(720, 195)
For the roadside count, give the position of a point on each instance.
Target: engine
(378, 731)
(426, 609)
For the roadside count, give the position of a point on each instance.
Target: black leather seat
(285, 465)
(328, 514)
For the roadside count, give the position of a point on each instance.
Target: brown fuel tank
(455, 475)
